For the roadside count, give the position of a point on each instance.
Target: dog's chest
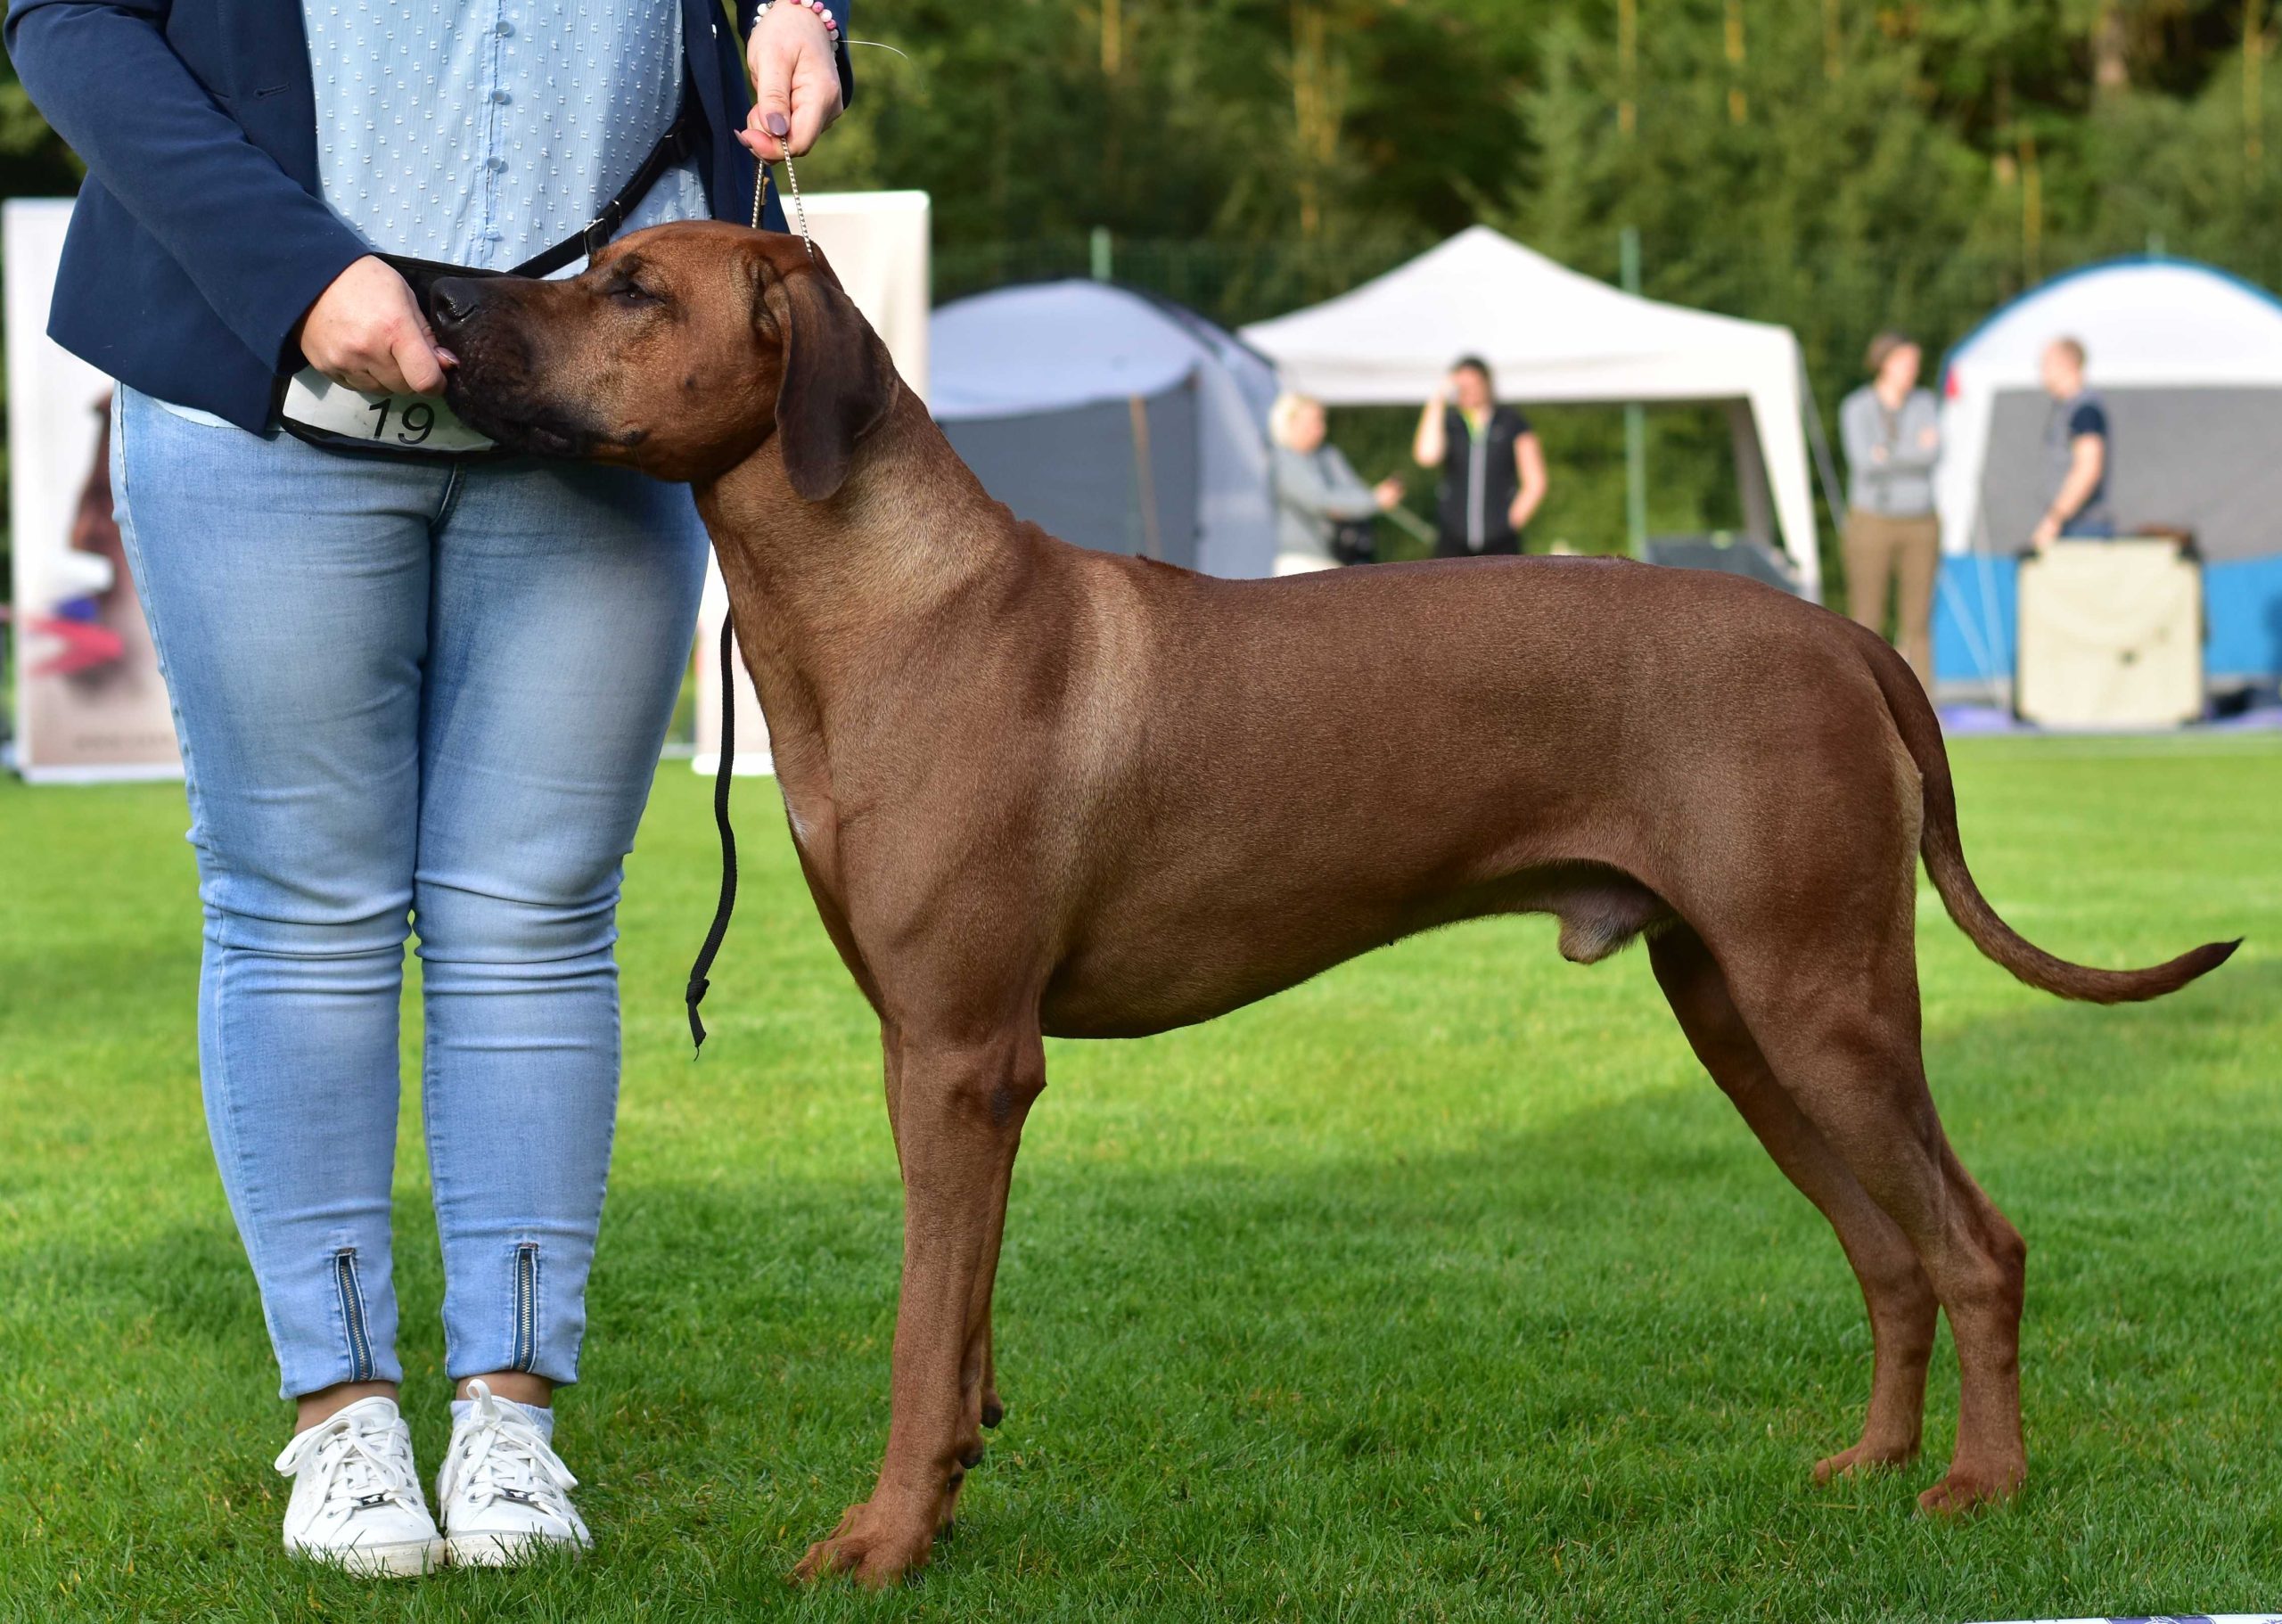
(808, 808)
(804, 781)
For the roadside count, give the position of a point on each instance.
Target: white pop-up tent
(1555, 337)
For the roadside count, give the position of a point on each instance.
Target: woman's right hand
(795, 80)
(365, 331)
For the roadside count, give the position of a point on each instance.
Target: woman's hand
(795, 83)
(1429, 444)
(1387, 493)
(365, 331)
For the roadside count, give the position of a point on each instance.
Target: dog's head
(681, 351)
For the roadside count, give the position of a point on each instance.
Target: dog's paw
(1863, 1458)
(1968, 1489)
(867, 1546)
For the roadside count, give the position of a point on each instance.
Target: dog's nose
(452, 300)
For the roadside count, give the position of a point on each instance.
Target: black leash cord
(696, 995)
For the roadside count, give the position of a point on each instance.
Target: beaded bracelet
(824, 15)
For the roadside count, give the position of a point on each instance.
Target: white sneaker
(356, 1499)
(503, 1491)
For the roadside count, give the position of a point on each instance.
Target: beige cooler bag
(2111, 635)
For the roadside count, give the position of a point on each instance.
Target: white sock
(539, 1416)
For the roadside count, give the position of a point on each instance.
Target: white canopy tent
(1554, 336)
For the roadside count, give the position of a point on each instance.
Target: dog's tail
(1920, 734)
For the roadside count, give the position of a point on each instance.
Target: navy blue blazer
(198, 240)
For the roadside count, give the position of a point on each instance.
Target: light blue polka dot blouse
(480, 132)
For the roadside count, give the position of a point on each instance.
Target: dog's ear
(836, 384)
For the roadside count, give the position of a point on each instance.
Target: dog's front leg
(958, 1119)
(982, 1407)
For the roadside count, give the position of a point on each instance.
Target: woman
(1316, 489)
(1497, 482)
(1892, 433)
(406, 689)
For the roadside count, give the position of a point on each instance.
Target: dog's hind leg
(1894, 1288)
(958, 1114)
(1838, 1021)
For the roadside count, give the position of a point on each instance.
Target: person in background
(2076, 445)
(1892, 433)
(1316, 489)
(1496, 482)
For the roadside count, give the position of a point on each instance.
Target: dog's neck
(816, 586)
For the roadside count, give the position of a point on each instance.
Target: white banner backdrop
(89, 704)
(878, 243)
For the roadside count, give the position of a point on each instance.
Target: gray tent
(1113, 420)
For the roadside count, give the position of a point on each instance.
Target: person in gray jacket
(1892, 433)
(1316, 489)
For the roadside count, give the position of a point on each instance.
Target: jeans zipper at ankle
(352, 1313)
(525, 1339)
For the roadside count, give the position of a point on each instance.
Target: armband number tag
(411, 423)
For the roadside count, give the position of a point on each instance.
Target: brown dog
(1037, 789)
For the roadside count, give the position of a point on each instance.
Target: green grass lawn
(1443, 1286)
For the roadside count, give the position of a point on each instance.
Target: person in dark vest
(1493, 467)
(2078, 460)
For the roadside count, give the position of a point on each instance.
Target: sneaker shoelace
(359, 1467)
(505, 1458)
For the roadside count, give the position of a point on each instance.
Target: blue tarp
(1975, 608)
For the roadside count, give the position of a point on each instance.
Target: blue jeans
(409, 692)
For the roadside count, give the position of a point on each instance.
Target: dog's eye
(633, 293)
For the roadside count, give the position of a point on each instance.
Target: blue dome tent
(2189, 361)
